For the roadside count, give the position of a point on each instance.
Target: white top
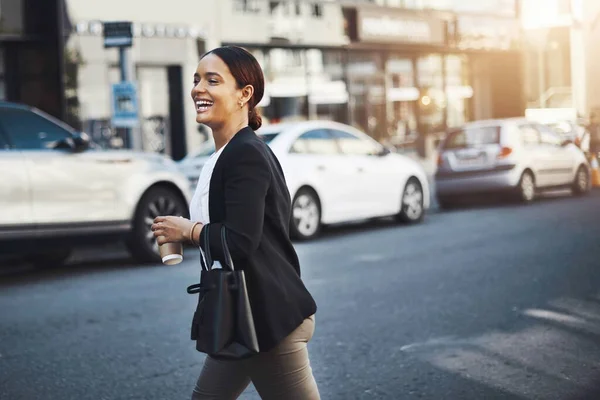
(199, 205)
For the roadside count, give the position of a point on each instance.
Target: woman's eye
(196, 82)
(213, 81)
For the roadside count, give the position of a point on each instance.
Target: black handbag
(223, 326)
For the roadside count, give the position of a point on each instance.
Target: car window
(549, 137)
(3, 142)
(317, 141)
(530, 135)
(28, 130)
(472, 137)
(353, 145)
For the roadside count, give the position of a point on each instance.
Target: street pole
(542, 75)
(124, 78)
(124, 94)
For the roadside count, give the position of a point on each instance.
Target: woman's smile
(203, 105)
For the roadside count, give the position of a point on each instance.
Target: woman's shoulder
(247, 145)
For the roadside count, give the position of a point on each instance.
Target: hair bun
(254, 119)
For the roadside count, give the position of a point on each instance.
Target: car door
(376, 185)
(15, 191)
(563, 162)
(535, 155)
(314, 159)
(67, 187)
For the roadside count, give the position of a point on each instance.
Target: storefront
(31, 55)
(401, 74)
(411, 73)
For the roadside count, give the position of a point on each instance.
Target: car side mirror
(566, 142)
(81, 141)
(384, 151)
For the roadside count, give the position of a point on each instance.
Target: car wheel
(412, 209)
(49, 259)
(526, 188)
(581, 185)
(156, 201)
(306, 215)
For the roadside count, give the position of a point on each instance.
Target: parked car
(511, 155)
(58, 190)
(336, 173)
(192, 163)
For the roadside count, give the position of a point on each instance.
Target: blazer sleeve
(246, 182)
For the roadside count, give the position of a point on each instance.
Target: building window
(280, 8)
(247, 6)
(458, 90)
(432, 101)
(11, 17)
(317, 10)
(402, 96)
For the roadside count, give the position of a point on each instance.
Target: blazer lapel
(216, 194)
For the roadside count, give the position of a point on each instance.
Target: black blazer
(248, 195)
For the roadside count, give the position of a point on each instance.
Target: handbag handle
(206, 262)
(226, 253)
(207, 256)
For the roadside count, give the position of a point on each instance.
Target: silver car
(511, 155)
(58, 190)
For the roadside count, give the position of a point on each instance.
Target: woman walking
(242, 188)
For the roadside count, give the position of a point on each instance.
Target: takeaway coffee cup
(171, 253)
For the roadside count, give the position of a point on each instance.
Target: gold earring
(241, 104)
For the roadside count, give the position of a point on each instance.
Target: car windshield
(472, 137)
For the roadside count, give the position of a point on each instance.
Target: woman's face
(215, 93)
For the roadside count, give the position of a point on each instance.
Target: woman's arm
(247, 181)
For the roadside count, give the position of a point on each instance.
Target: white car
(335, 174)
(59, 191)
(512, 155)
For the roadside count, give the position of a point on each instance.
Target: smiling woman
(247, 220)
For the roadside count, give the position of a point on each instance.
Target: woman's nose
(199, 88)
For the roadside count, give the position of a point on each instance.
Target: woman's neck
(222, 135)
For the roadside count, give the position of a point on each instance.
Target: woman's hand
(171, 229)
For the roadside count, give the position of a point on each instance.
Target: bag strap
(205, 259)
(226, 253)
(207, 262)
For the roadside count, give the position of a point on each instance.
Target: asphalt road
(494, 302)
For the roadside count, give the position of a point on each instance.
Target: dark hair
(247, 71)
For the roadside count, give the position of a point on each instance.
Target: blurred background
(472, 123)
(400, 70)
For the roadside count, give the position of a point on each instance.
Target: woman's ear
(247, 93)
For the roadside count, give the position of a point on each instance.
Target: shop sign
(487, 33)
(399, 27)
(124, 105)
(118, 34)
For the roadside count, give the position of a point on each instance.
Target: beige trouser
(283, 373)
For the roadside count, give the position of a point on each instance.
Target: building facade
(32, 35)
(562, 57)
(393, 68)
(397, 69)
(169, 38)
